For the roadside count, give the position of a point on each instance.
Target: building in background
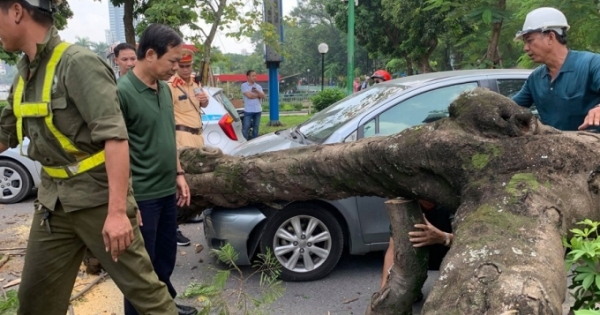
(117, 27)
(110, 37)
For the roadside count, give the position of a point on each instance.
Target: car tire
(291, 253)
(13, 174)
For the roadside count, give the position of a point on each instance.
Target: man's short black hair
(159, 38)
(40, 16)
(560, 38)
(249, 72)
(122, 46)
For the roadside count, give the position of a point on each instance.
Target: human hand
(592, 118)
(183, 192)
(117, 233)
(428, 235)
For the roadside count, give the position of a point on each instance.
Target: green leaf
(587, 312)
(487, 16)
(587, 282)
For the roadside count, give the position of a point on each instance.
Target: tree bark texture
(409, 271)
(128, 21)
(518, 187)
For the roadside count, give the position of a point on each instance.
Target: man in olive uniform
(64, 99)
(188, 97)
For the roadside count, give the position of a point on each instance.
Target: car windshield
(222, 98)
(324, 123)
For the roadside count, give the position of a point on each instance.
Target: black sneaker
(182, 240)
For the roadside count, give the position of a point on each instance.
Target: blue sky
(90, 19)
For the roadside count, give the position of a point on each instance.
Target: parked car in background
(221, 122)
(19, 175)
(308, 237)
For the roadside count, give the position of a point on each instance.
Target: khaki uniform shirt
(187, 113)
(85, 108)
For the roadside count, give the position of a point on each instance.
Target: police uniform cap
(187, 56)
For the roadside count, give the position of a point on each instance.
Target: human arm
(89, 81)
(429, 235)
(259, 92)
(183, 191)
(8, 123)
(247, 91)
(593, 116)
(388, 261)
(524, 97)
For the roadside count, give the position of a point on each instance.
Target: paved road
(347, 290)
(356, 277)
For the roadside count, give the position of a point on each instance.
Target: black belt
(194, 131)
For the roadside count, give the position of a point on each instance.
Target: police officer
(188, 98)
(64, 99)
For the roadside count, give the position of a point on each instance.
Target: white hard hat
(543, 19)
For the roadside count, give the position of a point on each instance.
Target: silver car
(308, 237)
(221, 122)
(19, 175)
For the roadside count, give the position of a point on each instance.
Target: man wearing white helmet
(566, 88)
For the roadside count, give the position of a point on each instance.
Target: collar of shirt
(567, 66)
(139, 85)
(176, 77)
(51, 40)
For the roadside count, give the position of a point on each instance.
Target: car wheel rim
(10, 183)
(302, 243)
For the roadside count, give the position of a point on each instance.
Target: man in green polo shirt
(158, 182)
(566, 87)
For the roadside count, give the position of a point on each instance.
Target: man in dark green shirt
(158, 182)
(566, 87)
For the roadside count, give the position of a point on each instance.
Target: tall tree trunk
(517, 184)
(409, 66)
(492, 53)
(423, 60)
(128, 21)
(218, 15)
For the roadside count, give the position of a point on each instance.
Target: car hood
(275, 141)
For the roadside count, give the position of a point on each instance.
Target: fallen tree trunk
(518, 186)
(409, 271)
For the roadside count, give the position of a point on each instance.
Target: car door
(422, 108)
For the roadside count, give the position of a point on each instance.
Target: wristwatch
(180, 173)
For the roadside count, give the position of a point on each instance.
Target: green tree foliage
(326, 97)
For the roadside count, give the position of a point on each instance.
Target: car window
(423, 108)
(324, 123)
(222, 98)
(510, 87)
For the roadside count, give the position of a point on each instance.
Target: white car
(221, 122)
(19, 175)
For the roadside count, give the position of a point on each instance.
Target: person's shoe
(196, 219)
(182, 240)
(186, 310)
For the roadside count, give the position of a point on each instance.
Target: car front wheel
(15, 183)
(306, 239)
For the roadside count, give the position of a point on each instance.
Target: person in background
(159, 185)
(380, 76)
(125, 58)
(436, 235)
(356, 85)
(188, 98)
(252, 93)
(566, 87)
(85, 198)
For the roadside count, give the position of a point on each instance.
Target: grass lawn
(287, 121)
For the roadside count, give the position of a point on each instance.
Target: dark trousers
(159, 230)
(251, 120)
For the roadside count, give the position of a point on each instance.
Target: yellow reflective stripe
(34, 109)
(64, 141)
(76, 168)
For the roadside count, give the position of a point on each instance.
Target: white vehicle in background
(19, 175)
(221, 123)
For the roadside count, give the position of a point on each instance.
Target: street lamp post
(323, 49)
(307, 76)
